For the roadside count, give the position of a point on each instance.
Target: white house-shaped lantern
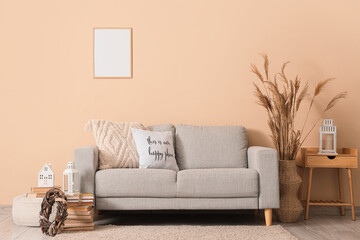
(46, 176)
(327, 138)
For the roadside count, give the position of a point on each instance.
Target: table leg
(342, 209)
(308, 194)
(351, 196)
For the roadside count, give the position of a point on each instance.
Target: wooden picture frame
(112, 53)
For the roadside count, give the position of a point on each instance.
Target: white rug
(178, 232)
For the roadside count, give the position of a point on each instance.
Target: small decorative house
(327, 138)
(46, 176)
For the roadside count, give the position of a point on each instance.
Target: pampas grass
(282, 98)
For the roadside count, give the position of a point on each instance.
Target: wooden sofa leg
(268, 216)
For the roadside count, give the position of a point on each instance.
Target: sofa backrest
(211, 147)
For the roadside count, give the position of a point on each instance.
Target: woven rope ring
(54, 227)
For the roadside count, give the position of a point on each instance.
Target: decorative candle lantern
(71, 180)
(327, 133)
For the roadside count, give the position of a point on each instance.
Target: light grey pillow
(155, 149)
(211, 147)
(163, 128)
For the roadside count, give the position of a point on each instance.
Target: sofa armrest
(86, 161)
(265, 161)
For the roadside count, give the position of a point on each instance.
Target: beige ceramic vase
(290, 205)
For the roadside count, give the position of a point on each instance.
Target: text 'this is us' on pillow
(155, 149)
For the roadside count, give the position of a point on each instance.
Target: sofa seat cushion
(217, 183)
(135, 182)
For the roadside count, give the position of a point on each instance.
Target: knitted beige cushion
(115, 143)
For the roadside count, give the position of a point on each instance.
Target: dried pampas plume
(282, 103)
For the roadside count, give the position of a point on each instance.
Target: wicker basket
(290, 205)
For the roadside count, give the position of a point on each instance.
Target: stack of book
(80, 213)
(84, 199)
(39, 192)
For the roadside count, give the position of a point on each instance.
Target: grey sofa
(217, 171)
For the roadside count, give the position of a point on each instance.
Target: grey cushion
(211, 147)
(217, 183)
(135, 182)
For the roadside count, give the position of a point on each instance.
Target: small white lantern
(71, 180)
(327, 133)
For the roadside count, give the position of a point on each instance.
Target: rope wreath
(54, 227)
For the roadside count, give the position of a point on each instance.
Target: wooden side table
(347, 158)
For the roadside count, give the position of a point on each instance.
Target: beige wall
(191, 65)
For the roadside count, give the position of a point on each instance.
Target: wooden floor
(323, 223)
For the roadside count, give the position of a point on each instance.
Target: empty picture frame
(113, 53)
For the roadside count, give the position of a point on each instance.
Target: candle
(329, 142)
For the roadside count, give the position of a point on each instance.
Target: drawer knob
(331, 157)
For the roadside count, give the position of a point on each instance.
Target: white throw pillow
(155, 149)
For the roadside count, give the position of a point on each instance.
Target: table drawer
(337, 162)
